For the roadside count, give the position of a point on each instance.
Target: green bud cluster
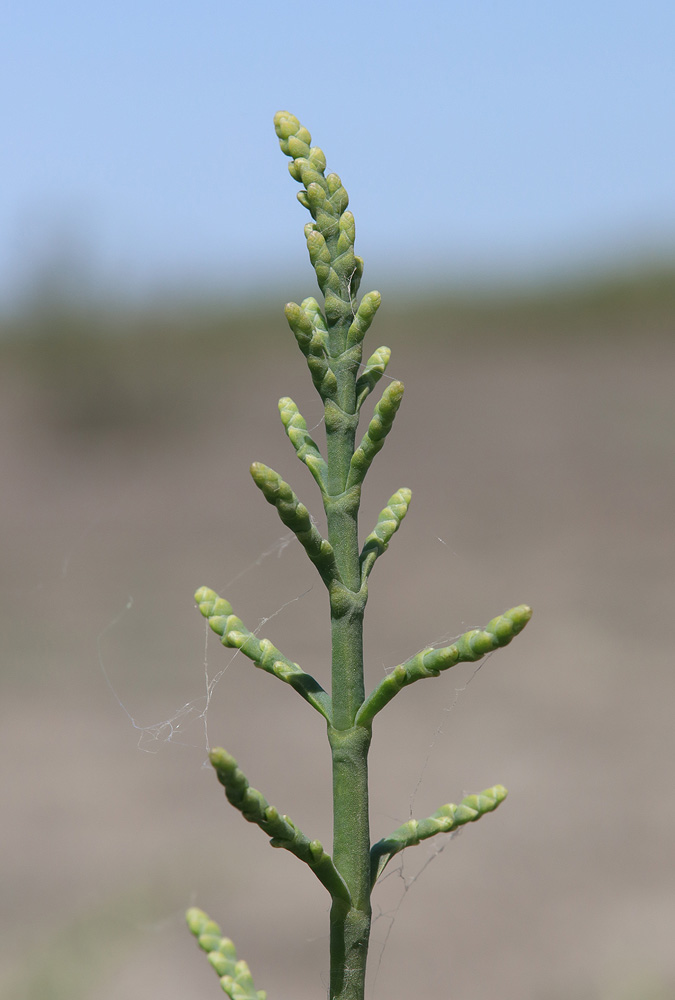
(235, 975)
(430, 662)
(444, 820)
(330, 238)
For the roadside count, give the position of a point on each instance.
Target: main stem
(349, 924)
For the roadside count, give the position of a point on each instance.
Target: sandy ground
(542, 473)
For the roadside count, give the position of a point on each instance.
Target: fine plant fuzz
(331, 339)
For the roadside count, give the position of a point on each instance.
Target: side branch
(378, 428)
(235, 976)
(296, 517)
(234, 634)
(309, 326)
(255, 808)
(305, 446)
(444, 820)
(388, 522)
(430, 662)
(373, 371)
(365, 314)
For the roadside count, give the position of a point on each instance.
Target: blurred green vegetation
(641, 299)
(160, 359)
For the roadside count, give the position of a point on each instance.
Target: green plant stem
(349, 923)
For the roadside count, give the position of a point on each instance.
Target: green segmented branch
(309, 326)
(374, 369)
(235, 976)
(281, 830)
(444, 820)
(234, 634)
(430, 662)
(378, 428)
(305, 446)
(365, 315)
(313, 310)
(296, 517)
(388, 522)
(330, 239)
(317, 355)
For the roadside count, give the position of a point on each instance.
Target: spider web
(193, 713)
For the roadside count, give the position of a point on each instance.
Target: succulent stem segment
(235, 976)
(233, 633)
(430, 662)
(332, 342)
(281, 830)
(444, 820)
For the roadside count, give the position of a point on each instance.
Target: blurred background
(510, 169)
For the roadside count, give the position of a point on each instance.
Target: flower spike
(330, 238)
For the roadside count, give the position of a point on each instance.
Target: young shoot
(331, 339)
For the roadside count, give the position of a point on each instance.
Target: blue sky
(476, 140)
